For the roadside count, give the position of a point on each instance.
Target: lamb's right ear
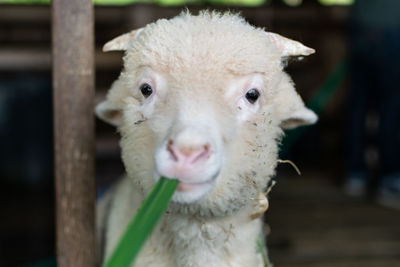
(121, 42)
(110, 110)
(109, 113)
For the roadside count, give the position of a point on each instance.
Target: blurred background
(344, 210)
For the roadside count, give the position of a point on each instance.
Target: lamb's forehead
(209, 42)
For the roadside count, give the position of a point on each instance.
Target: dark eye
(252, 95)
(146, 90)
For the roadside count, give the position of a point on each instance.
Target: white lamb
(202, 99)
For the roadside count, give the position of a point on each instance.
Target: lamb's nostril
(171, 150)
(187, 154)
(198, 153)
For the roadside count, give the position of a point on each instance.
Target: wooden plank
(314, 224)
(39, 59)
(73, 94)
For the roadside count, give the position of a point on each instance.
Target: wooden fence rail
(73, 96)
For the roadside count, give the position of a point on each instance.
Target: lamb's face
(202, 100)
(194, 124)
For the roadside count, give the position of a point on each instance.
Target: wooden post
(73, 98)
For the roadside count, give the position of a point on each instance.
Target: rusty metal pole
(73, 98)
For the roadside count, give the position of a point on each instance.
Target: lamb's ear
(109, 113)
(289, 47)
(290, 107)
(299, 117)
(121, 42)
(110, 110)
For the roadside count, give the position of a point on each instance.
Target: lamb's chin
(189, 193)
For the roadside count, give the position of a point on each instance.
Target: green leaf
(140, 228)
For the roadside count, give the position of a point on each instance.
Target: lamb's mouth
(184, 186)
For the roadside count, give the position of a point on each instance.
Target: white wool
(200, 68)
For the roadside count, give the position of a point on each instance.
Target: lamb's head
(203, 99)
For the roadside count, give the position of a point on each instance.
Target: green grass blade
(143, 223)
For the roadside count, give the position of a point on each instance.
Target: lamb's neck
(210, 239)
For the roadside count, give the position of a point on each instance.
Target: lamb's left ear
(289, 47)
(290, 107)
(121, 42)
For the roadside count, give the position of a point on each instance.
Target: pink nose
(188, 154)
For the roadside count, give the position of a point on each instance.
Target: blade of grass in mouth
(142, 224)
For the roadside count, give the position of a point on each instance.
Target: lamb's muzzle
(188, 155)
(191, 157)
